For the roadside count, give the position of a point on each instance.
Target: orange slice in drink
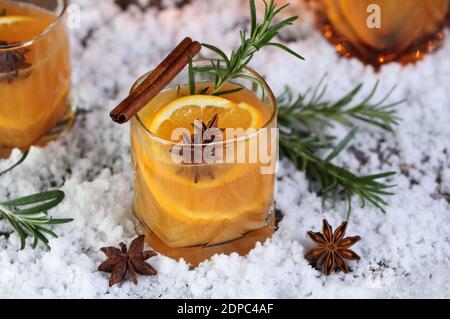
(184, 111)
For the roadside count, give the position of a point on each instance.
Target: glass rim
(44, 32)
(267, 90)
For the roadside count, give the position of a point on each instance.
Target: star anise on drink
(204, 134)
(122, 261)
(12, 62)
(194, 153)
(333, 249)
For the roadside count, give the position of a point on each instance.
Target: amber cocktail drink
(193, 210)
(379, 31)
(34, 72)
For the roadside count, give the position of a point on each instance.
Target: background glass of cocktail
(407, 29)
(34, 73)
(194, 211)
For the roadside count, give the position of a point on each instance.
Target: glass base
(65, 124)
(195, 255)
(414, 53)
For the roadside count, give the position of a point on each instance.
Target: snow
(405, 252)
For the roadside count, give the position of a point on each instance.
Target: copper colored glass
(380, 31)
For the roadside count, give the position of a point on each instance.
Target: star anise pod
(120, 261)
(204, 134)
(12, 62)
(333, 249)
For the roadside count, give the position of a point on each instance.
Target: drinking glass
(193, 211)
(380, 31)
(34, 73)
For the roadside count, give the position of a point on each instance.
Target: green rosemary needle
(20, 161)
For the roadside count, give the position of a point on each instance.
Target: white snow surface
(405, 252)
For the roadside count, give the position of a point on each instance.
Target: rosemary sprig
(333, 180)
(27, 216)
(314, 113)
(20, 161)
(261, 35)
(302, 121)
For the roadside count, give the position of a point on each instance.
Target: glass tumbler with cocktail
(34, 73)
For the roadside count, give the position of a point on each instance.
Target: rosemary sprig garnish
(261, 35)
(20, 161)
(27, 216)
(302, 121)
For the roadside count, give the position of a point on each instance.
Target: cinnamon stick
(166, 71)
(157, 72)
